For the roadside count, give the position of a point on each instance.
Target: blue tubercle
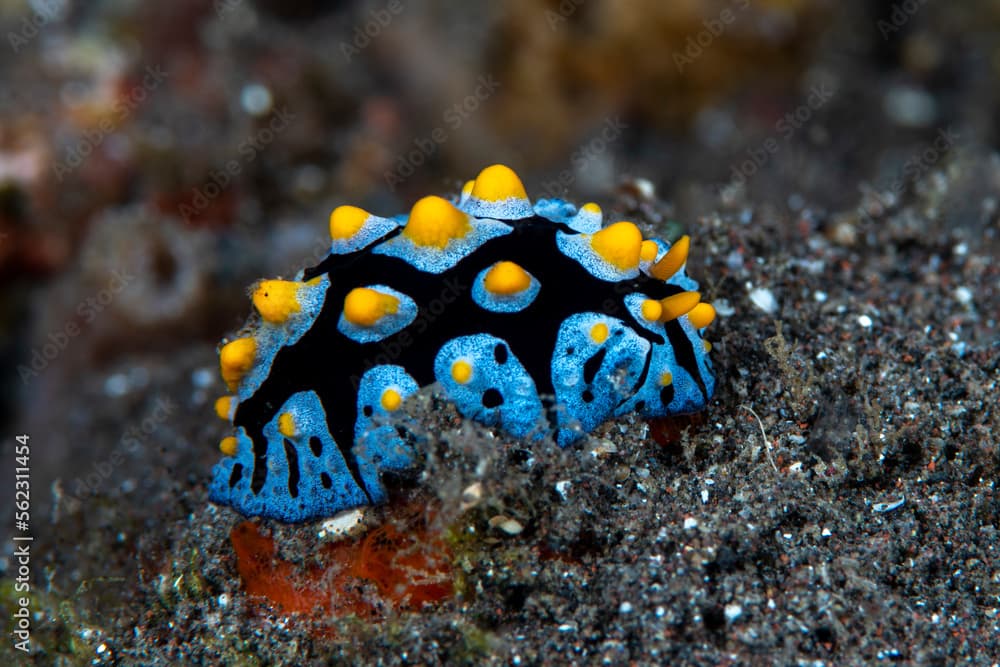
(271, 338)
(373, 229)
(669, 388)
(578, 247)
(597, 363)
(556, 210)
(585, 220)
(511, 208)
(503, 303)
(386, 326)
(499, 391)
(438, 260)
(680, 279)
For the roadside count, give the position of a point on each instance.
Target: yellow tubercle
(228, 445)
(506, 278)
(467, 188)
(591, 207)
(435, 221)
(678, 304)
(286, 425)
(236, 359)
(673, 260)
(224, 406)
(666, 378)
(364, 307)
(702, 315)
(708, 346)
(497, 183)
(461, 371)
(651, 310)
(391, 400)
(648, 251)
(346, 221)
(277, 300)
(619, 244)
(599, 332)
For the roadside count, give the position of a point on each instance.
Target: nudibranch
(534, 318)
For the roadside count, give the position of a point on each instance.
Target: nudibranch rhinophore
(535, 318)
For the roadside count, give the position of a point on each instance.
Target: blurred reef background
(836, 164)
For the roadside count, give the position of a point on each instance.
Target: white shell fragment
(471, 496)
(888, 507)
(345, 524)
(506, 524)
(764, 299)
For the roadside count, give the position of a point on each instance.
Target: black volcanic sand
(738, 541)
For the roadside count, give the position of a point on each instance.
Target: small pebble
(506, 524)
(764, 299)
(603, 448)
(844, 232)
(116, 385)
(909, 106)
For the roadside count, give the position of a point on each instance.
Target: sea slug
(533, 317)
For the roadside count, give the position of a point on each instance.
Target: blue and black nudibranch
(533, 318)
